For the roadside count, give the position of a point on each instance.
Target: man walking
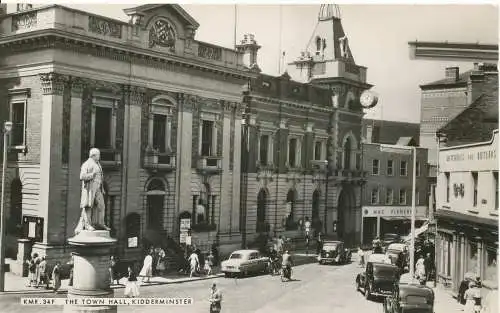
(215, 299)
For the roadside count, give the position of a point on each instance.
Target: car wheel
(368, 292)
(357, 285)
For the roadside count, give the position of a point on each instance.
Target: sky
(378, 37)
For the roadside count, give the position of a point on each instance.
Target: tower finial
(328, 11)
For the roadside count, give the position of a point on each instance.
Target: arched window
(155, 200)
(16, 208)
(347, 153)
(132, 229)
(261, 210)
(290, 205)
(318, 44)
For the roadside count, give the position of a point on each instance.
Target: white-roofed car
(398, 253)
(245, 262)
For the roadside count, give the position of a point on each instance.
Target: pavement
(314, 288)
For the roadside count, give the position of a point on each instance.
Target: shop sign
(185, 226)
(393, 211)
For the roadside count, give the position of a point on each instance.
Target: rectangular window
(207, 133)
(403, 168)
(389, 196)
(375, 194)
(390, 167)
(402, 196)
(495, 177)
(264, 149)
(18, 119)
(474, 184)
(102, 130)
(292, 152)
(417, 169)
(375, 167)
(417, 197)
(160, 132)
(447, 177)
(318, 145)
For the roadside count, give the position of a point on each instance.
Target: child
(56, 276)
(209, 264)
(32, 270)
(131, 288)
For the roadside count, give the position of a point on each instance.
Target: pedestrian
(42, 270)
(428, 266)
(215, 299)
(194, 263)
(32, 270)
(147, 268)
(319, 243)
(160, 263)
(112, 270)
(38, 259)
(131, 287)
(361, 255)
(71, 264)
(56, 276)
(472, 295)
(420, 269)
(210, 263)
(307, 226)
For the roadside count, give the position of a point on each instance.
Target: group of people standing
(38, 273)
(198, 264)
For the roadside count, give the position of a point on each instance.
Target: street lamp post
(7, 129)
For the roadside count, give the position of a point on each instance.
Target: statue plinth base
(91, 271)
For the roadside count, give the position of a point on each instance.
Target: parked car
(244, 262)
(394, 250)
(389, 238)
(410, 297)
(378, 279)
(334, 252)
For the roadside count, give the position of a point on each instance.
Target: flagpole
(235, 24)
(279, 52)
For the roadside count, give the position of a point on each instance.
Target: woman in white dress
(147, 268)
(194, 262)
(470, 296)
(420, 269)
(131, 287)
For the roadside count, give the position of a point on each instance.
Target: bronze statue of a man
(92, 196)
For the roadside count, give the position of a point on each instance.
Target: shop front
(380, 220)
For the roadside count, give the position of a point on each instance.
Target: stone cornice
(53, 83)
(55, 38)
(290, 104)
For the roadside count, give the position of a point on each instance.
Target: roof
(404, 141)
(390, 132)
(397, 246)
(475, 123)
(462, 79)
(177, 8)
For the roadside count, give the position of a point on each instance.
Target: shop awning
(418, 231)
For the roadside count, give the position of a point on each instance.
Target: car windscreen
(330, 247)
(383, 271)
(236, 256)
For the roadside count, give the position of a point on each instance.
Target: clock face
(368, 99)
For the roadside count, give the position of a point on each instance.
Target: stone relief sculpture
(92, 195)
(162, 34)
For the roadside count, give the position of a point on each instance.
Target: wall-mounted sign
(393, 211)
(132, 242)
(459, 190)
(185, 226)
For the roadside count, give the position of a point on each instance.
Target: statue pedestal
(91, 271)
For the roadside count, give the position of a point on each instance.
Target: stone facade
(139, 95)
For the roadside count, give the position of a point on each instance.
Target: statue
(92, 196)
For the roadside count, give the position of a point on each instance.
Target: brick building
(303, 140)
(164, 109)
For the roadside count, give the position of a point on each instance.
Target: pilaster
(235, 227)
(51, 156)
(134, 98)
(74, 158)
(225, 200)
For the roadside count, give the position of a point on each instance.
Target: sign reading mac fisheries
(393, 211)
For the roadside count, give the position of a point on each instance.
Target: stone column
(479, 268)
(51, 156)
(184, 151)
(75, 153)
(236, 169)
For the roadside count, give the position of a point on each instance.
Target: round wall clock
(368, 99)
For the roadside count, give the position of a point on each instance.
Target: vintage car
(394, 250)
(379, 277)
(334, 252)
(409, 297)
(389, 238)
(244, 262)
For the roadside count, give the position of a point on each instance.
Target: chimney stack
(452, 73)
